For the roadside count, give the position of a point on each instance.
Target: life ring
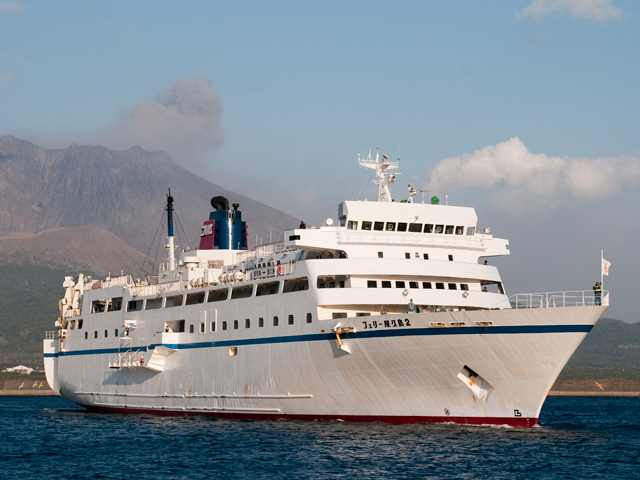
(280, 270)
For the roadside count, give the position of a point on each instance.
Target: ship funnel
(225, 229)
(220, 203)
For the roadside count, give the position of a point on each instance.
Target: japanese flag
(605, 267)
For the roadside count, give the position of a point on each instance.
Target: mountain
(88, 249)
(123, 192)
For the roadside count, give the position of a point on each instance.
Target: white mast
(385, 179)
(171, 259)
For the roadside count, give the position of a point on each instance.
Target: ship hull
(477, 367)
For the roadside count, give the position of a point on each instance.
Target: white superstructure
(389, 315)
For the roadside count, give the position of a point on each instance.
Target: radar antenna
(385, 178)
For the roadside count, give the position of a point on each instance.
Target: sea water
(48, 437)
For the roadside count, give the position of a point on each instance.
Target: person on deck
(411, 307)
(597, 290)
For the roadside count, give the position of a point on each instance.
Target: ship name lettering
(387, 324)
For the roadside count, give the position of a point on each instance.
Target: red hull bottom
(511, 422)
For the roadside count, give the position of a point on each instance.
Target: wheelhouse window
(428, 228)
(115, 304)
(400, 284)
(449, 230)
(464, 286)
(244, 291)
(439, 286)
(378, 226)
(372, 284)
(218, 295)
(426, 285)
(386, 284)
(195, 298)
(471, 231)
(174, 301)
(402, 227)
(415, 227)
(459, 230)
(439, 229)
(453, 286)
(97, 306)
(391, 227)
(413, 284)
(352, 225)
(296, 285)
(269, 288)
(366, 225)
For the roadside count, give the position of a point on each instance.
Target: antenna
(385, 178)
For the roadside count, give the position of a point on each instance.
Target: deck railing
(580, 298)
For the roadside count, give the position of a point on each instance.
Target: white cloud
(517, 179)
(184, 120)
(595, 10)
(10, 8)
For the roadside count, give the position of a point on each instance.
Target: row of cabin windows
(416, 285)
(407, 255)
(236, 324)
(410, 227)
(243, 291)
(106, 334)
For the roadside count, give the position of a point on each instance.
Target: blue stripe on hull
(405, 332)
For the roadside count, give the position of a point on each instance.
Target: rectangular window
(80, 324)
(218, 295)
(275, 321)
(351, 225)
(439, 229)
(426, 285)
(391, 227)
(380, 255)
(428, 228)
(378, 226)
(241, 292)
(386, 284)
(449, 230)
(440, 286)
(362, 314)
(195, 298)
(224, 325)
(235, 324)
(95, 334)
(116, 332)
(86, 335)
(106, 333)
(309, 318)
(415, 227)
(261, 322)
(407, 255)
(202, 327)
(453, 286)
(464, 286)
(451, 258)
(459, 230)
(402, 227)
(425, 256)
(174, 326)
(174, 301)
(294, 237)
(471, 231)
(413, 284)
(212, 327)
(400, 284)
(295, 285)
(372, 284)
(191, 328)
(269, 288)
(247, 323)
(153, 304)
(134, 305)
(290, 319)
(335, 315)
(366, 225)
(115, 304)
(97, 306)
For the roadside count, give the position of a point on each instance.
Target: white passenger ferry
(392, 314)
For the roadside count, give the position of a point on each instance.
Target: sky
(526, 110)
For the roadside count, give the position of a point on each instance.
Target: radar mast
(385, 178)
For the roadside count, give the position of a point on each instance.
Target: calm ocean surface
(48, 437)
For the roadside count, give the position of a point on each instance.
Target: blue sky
(275, 99)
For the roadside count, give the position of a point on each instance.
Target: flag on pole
(605, 267)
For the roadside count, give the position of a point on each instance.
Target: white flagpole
(601, 271)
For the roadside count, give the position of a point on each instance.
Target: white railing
(147, 290)
(580, 298)
(260, 251)
(127, 359)
(120, 280)
(50, 335)
(272, 271)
